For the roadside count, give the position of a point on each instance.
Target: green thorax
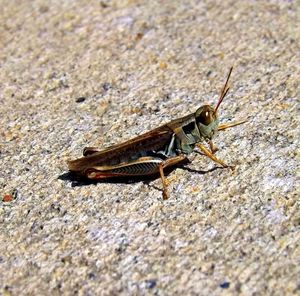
(193, 131)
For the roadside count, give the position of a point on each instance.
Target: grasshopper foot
(232, 167)
(213, 147)
(165, 194)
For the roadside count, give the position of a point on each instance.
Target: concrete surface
(94, 73)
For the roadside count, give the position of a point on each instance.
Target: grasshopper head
(207, 121)
(206, 116)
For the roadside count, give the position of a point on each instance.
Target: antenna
(224, 91)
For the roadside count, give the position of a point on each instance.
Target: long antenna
(224, 90)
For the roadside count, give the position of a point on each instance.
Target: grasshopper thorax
(207, 121)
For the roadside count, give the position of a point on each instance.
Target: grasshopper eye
(205, 115)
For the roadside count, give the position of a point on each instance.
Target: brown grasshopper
(157, 149)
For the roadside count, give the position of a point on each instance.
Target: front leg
(212, 157)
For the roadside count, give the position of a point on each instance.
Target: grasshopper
(154, 151)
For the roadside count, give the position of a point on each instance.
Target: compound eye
(205, 117)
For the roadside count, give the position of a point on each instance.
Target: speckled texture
(93, 73)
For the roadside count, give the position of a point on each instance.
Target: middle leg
(166, 163)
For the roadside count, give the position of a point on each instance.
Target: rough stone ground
(138, 64)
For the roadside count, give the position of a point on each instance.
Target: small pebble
(106, 86)
(150, 284)
(7, 198)
(80, 99)
(225, 285)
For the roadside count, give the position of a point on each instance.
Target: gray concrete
(138, 65)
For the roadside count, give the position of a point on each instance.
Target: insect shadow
(78, 181)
